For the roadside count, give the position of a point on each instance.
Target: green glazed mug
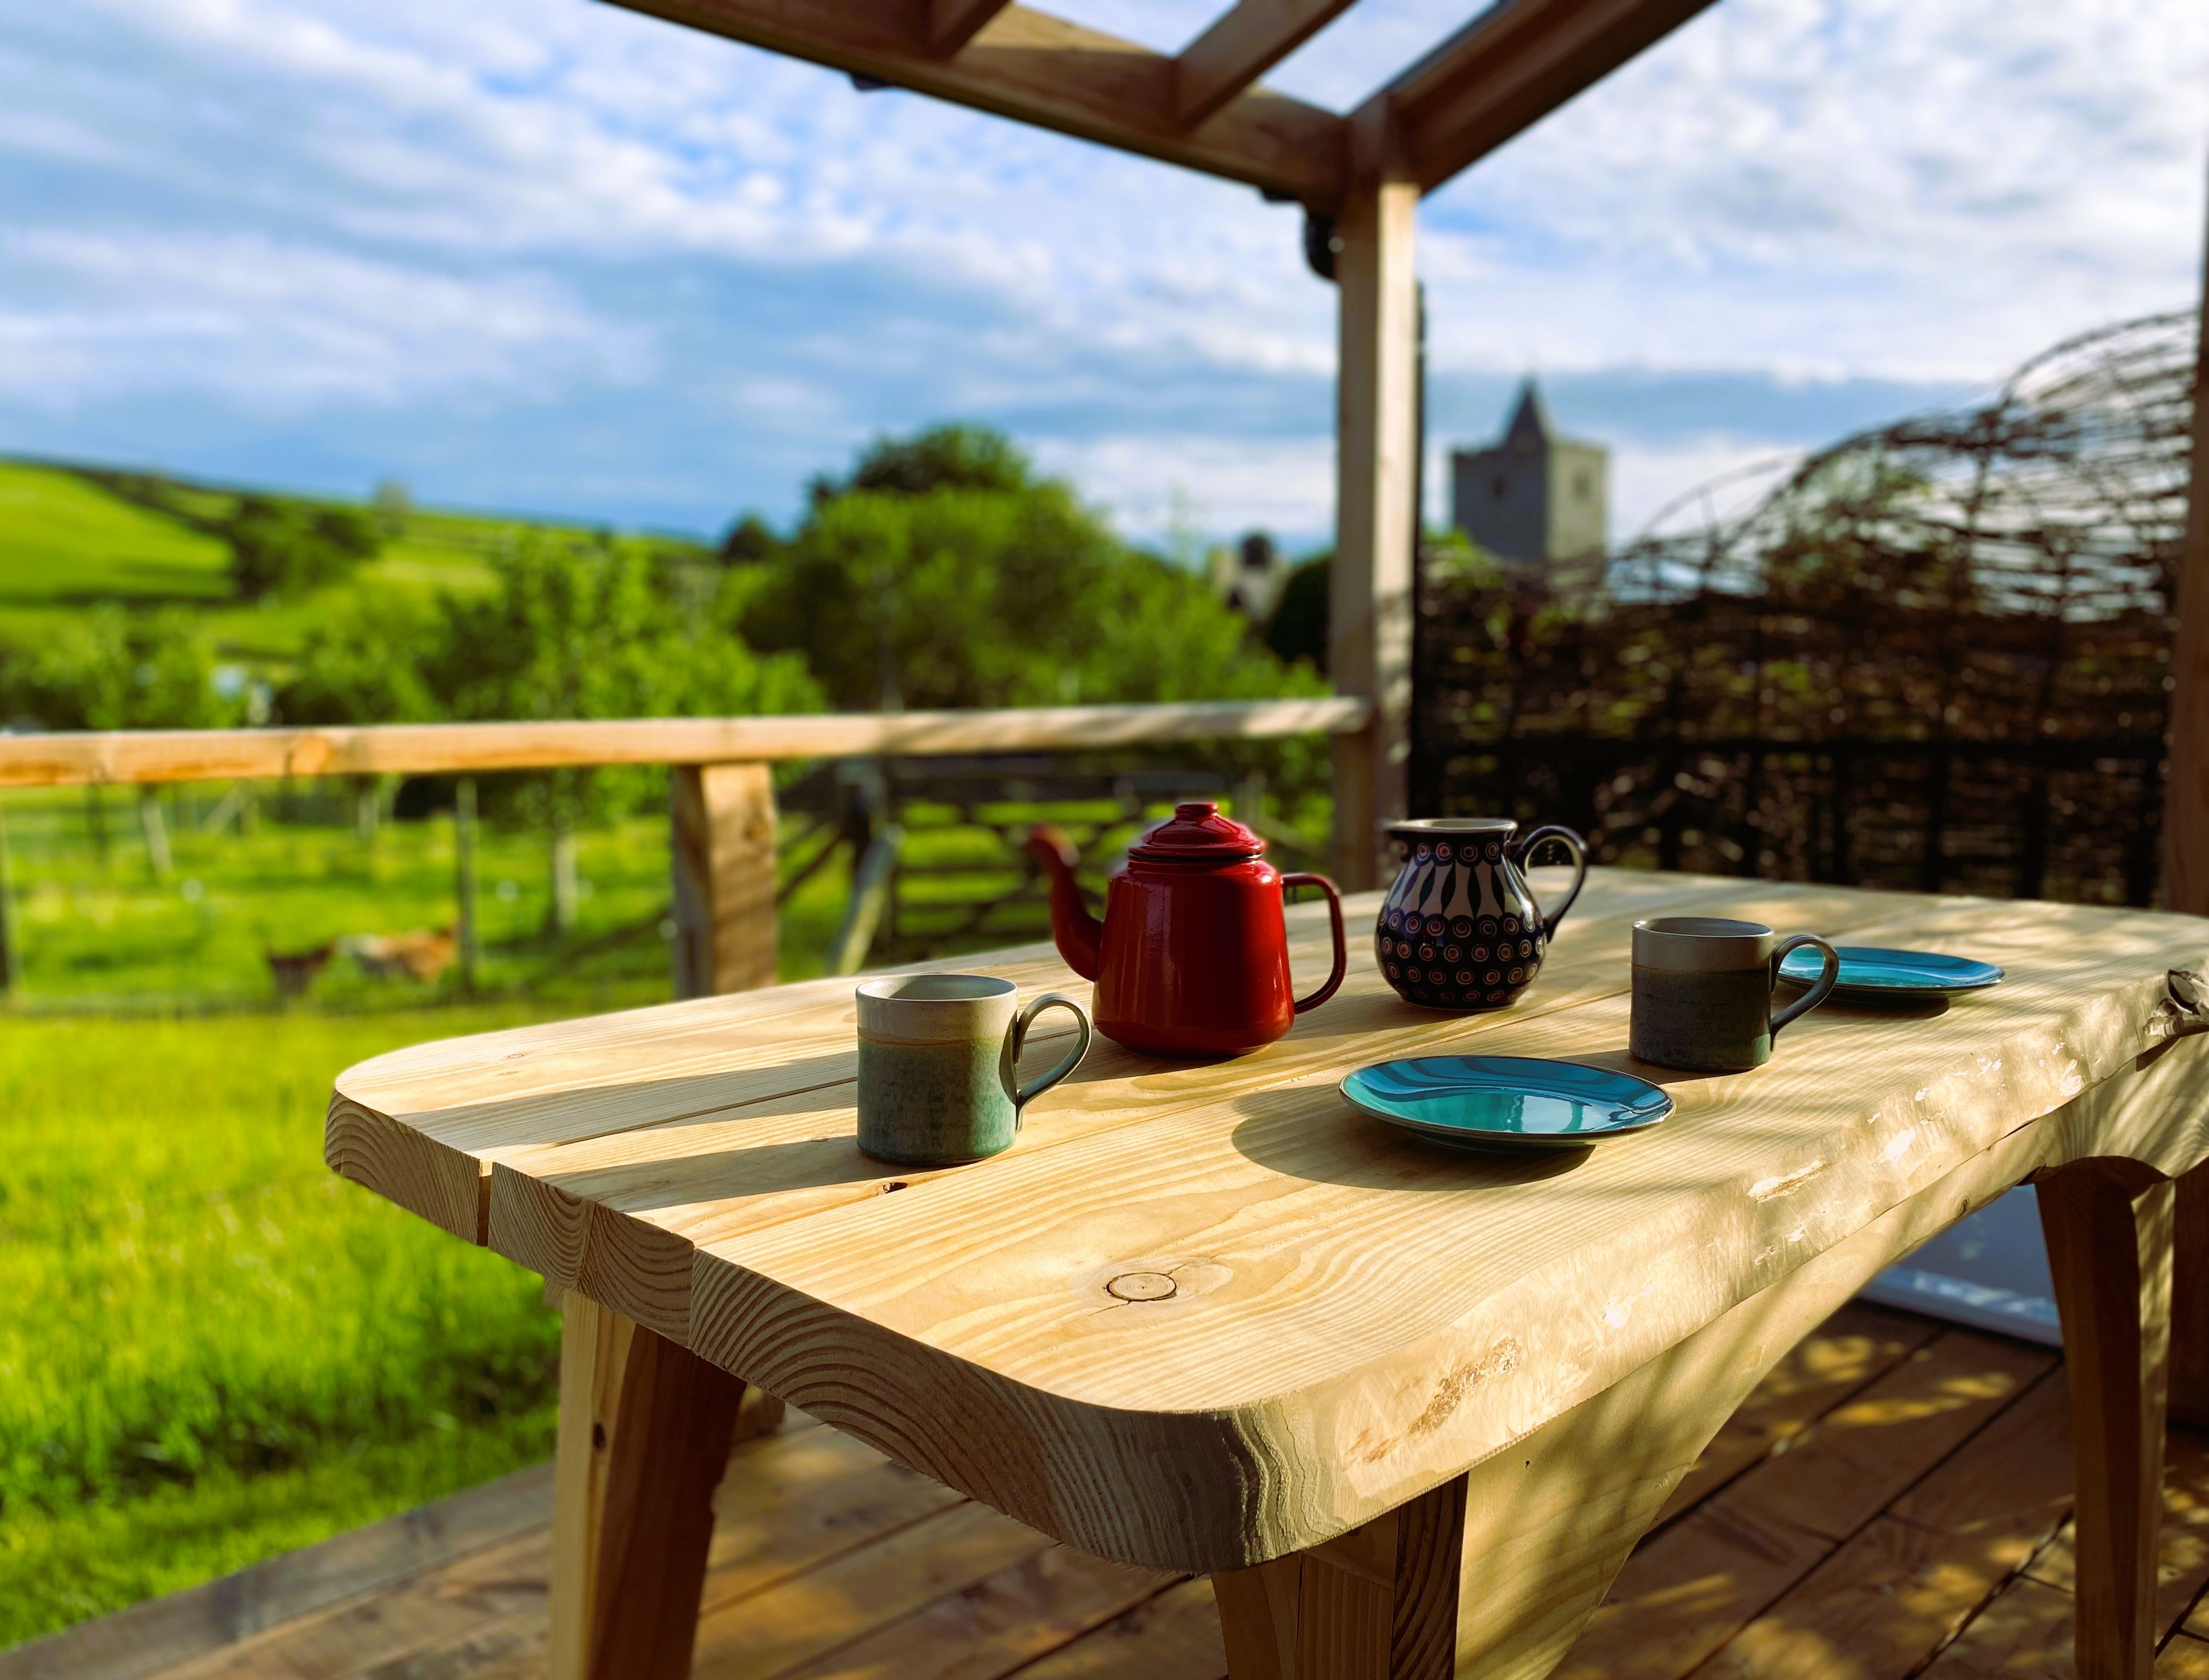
(1703, 992)
(939, 1065)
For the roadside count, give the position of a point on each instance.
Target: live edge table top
(1354, 1316)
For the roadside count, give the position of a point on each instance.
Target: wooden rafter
(953, 23)
(1042, 70)
(1506, 71)
(1241, 45)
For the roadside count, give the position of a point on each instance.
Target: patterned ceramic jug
(1460, 929)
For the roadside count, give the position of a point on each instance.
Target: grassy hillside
(228, 1350)
(69, 537)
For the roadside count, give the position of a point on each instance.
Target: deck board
(1892, 1501)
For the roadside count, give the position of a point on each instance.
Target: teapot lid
(1197, 830)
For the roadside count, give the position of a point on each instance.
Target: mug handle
(1341, 947)
(1574, 844)
(1016, 1037)
(1818, 993)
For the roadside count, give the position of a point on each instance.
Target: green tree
(1297, 627)
(588, 635)
(958, 456)
(279, 547)
(111, 669)
(1004, 592)
(364, 667)
(748, 540)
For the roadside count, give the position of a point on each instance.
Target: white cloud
(282, 326)
(1161, 488)
(324, 201)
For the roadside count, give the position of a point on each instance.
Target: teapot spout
(1079, 934)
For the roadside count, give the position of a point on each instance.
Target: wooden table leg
(1379, 1603)
(2109, 1231)
(2189, 1301)
(645, 1431)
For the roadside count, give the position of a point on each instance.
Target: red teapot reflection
(1192, 958)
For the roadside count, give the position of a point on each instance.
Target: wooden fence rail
(721, 801)
(227, 754)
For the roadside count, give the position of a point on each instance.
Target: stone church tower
(1534, 499)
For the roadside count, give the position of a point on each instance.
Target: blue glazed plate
(1874, 974)
(1506, 1102)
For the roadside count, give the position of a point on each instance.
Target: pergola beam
(1242, 44)
(1507, 70)
(953, 23)
(1042, 70)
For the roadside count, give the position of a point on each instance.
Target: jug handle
(1574, 844)
(1341, 946)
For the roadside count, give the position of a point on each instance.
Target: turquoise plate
(1506, 1102)
(1874, 974)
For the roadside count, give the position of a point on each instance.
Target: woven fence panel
(1934, 656)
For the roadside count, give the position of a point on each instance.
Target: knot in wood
(1141, 1286)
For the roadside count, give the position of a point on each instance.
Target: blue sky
(546, 255)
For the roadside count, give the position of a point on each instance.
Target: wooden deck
(1893, 1501)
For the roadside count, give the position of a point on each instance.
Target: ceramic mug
(939, 1065)
(1703, 987)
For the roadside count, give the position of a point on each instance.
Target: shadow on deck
(1893, 1500)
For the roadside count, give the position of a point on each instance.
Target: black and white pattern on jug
(1459, 929)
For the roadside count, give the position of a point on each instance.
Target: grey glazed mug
(1703, 987)
(939, 1065)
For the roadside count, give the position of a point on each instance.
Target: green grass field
(67, 542)
(212, 1349)
(216, 1349)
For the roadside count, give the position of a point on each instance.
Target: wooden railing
(722, 852)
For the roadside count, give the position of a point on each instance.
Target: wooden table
(1409, 1408)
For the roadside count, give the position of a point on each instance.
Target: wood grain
(1904, 1584)
(2182, 1546)
(2109, 1229)
(204, 1622)
(222, 754)
(1508, 68)
(621, 1214)
(1854, 1347)
(1356, 1317)
(1403, 1313)
(1689, 1591)
(644, 1432)
(1241, 44)
(2189, 1383)
(1173, 1636)
(721, 847)
(1379, 1603)
(1369, 580)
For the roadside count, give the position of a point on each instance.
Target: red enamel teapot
(1192, 958)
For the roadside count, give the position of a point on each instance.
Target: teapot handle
(1341, 946)
(1572, 843)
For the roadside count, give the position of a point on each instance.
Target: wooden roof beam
(953, 23)
(1507, 70)
(1242, 44)
(1042, 70)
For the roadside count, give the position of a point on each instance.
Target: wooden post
(1370, 586)
(2186, 774)
(645, 1431)
(464, 884)
(2189, 1301)
(722, 852)
(2109, 1230)
(1379, 1603)
(155, 831)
